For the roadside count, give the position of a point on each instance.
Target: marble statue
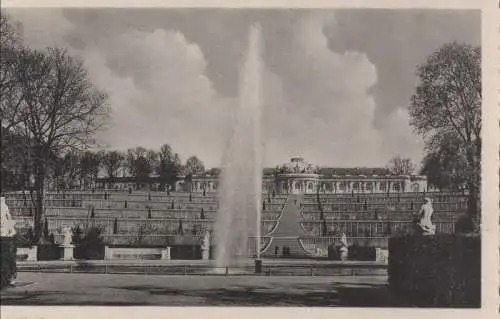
(7, 224)
(344, 247)
(205, 244)
(424, 223)
(67, 236)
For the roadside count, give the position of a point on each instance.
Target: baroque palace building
(299, 177)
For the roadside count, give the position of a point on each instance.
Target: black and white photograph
(241, 157)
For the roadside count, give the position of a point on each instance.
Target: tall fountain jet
(237, 228)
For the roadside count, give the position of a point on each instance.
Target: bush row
(441, 270)
(8, 261)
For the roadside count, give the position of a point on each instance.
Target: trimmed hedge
(362, 253)
(8, 265)
(441, 270)
(49, 251)
(185, 252)
(89, 252)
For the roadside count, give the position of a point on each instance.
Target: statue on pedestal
(7, 224)
(424, 224)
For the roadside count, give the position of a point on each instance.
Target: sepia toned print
(241, 157)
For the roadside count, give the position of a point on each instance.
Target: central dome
(297, 165)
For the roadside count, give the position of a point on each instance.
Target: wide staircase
(285, 239)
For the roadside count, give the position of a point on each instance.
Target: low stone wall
(136, 253)
(27, 253)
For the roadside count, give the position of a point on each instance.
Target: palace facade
(300, 177)
(296, 177)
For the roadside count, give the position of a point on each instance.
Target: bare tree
(89, 168)
(10, 44)
(401, 166)
(447, 105)
(59, 110)
(112, 161)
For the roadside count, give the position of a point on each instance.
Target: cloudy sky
(336, 82)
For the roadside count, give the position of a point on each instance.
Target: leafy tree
(401, 166)
(169, 166)
(141, 164)
(446, 110)
(444, 166)
(194, 166)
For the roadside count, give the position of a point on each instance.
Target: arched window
(396, 186)
(416, 187)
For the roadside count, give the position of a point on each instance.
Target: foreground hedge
(8, 265)
(441, 270)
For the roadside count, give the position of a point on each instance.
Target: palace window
(355, 187)
(396, 187)
(382, 186)
(310, 186)
(416, 187)
(369, 186)
(342, 186)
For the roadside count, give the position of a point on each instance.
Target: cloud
(330, 111)
(160, 82)
(157, 88)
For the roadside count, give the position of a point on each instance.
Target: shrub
(361, 253)
(8, 261)
(441, 270)
(333, 253)
(89, 244)
(24, 238)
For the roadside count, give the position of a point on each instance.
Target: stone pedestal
(258, 266)
(205, 253)
(108, 253)
(165, 254)
(68, 252)
(33, 254)
(382, 255)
